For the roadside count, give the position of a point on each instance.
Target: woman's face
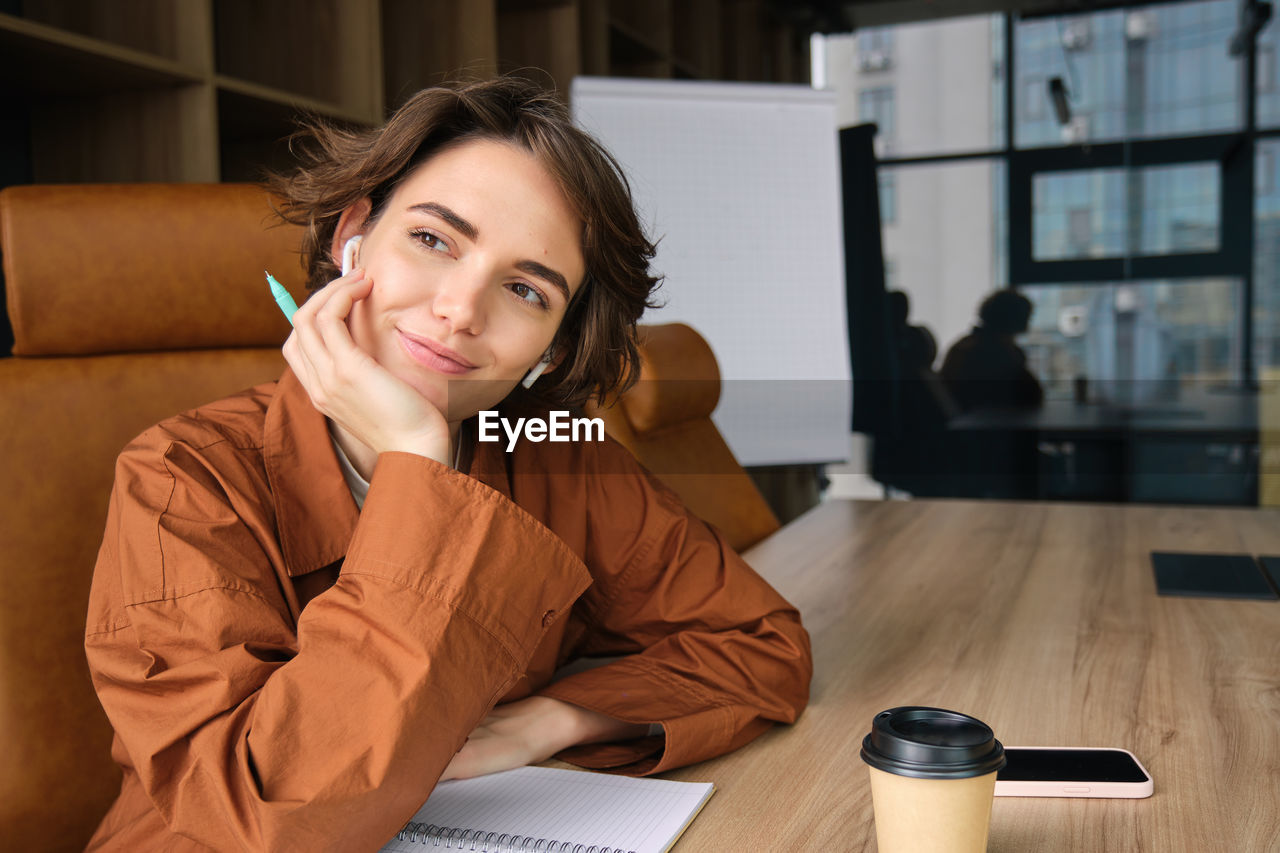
(474, 260)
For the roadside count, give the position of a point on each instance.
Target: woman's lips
(434, 356)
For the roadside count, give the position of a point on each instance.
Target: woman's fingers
(308, 350)
(331, 320)
(306, 312)
(348, 384)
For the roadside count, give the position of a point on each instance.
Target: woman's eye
(431, 241)
(528, 294)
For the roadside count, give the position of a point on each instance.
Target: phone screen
(1069, 765)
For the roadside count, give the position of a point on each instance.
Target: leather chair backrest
(129, 303)
(665, 420)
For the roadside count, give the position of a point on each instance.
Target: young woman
(319, 597)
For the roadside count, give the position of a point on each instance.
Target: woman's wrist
(582, 726)
(432, 449)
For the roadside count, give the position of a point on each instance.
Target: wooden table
(1199, 445)
(1043, 621)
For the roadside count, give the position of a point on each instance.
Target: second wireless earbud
(349, 250)
(532, 376)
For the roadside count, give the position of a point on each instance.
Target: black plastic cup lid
(930, 743)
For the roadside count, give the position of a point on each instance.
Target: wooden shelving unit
(206, 90)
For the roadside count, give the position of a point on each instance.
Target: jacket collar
(313, 506)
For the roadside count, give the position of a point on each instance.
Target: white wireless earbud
(532, 376)
(349, 250)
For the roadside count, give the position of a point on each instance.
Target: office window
(1100, 213)
(1076, 33)
(888, 191)
(1079, 231)
(933, 87)
(996, 88)
(1179, 209)
(1135, 341)
(1268, 79)
(1266, 269)
(1037, 100)
(1266, 67)
(1142, 174)
(1264, 173)
(1000, 229)
(875, 49)
(1079, 214)
(1184, 80)
(945, 241)
(876, 105)
(1145, 72)
(1093, 75)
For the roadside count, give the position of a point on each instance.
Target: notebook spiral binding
(445, 837)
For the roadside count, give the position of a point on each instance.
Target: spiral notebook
(548, 809)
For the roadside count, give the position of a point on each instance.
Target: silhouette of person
(911, 452)
(915, 345)
(923, 401)
(986, 368)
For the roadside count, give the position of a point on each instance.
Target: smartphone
(1072, 772)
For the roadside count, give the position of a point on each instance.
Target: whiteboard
(740, 184)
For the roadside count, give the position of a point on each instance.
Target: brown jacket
(286, 672)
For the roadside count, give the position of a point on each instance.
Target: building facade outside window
(876, 106)
(1152, 75)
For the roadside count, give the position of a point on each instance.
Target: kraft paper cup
(933, 778)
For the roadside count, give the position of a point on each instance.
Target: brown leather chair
(665, 420)
(129, 303)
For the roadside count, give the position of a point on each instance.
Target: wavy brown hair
(597, 337)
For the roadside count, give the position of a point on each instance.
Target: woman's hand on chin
(350, 387)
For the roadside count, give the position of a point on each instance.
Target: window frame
(1235, 151)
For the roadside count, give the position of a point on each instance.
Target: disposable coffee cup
(933, 778)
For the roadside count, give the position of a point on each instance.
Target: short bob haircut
(597, 337)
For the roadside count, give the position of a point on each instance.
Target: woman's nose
(459, 301)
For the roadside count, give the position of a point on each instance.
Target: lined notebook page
(643, 815)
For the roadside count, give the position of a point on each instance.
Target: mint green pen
(283, 299)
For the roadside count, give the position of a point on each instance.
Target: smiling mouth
(434, 356)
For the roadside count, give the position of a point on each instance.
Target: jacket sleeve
(711, 651)
(252, 726)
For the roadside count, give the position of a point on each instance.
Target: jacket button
(548, 618)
